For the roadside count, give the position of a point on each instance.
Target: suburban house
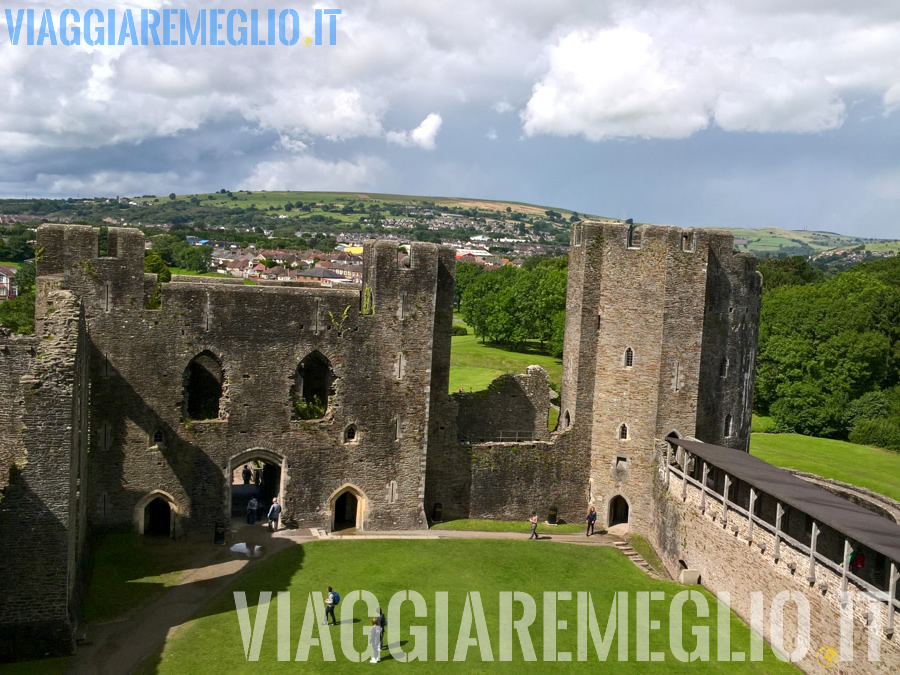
(7, 282)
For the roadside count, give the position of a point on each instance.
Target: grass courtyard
(213, 641)
(473, 365)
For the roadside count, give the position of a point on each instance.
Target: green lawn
(193, 273)
(129, 570)
(473, 365)
(212, 643)
(507, 526)
(648, 553)
(10, 263)
(56, 666)
(872, 468)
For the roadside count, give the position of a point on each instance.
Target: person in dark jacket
(246, 474)
(591, 519)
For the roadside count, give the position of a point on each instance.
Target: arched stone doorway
(267, 472)
(156, 514)
(157, 518)
(618, 511)
(348, 508)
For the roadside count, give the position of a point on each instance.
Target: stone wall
(16, 359)
(729, 561)
(513, 407)
(40, 527)
(644, 308)
(382, 361)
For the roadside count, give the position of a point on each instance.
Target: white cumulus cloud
(423, 136)
(307, 172)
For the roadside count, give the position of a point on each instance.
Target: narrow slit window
(728, 426)
(629, 357)
(678, 377)
(623, 432)
(723, 369)
(634, 237)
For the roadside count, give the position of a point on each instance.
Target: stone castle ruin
(118, 417)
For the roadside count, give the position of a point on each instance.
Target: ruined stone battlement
(343, 392)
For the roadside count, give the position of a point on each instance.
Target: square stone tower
(661, 327)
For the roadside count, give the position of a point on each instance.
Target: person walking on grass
(329, 607)
(381, 621)
(274, 513)
(375, 637)
(533, 521)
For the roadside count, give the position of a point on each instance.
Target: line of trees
(512, 305)
(829, 351)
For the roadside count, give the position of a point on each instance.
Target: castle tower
(657, 318)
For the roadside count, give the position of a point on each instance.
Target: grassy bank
(872, 468)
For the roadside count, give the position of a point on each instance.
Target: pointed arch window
(629, 357)
(623, 432)
(312, 387)
(203, 380)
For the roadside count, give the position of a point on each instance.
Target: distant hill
(331, 212)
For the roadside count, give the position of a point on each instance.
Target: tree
(17, 314)
(172, 196)
(154, 264)
(826, 347)
(25, 278)
(194, 258)
(793, 271)
(163, 244)
(465, 274)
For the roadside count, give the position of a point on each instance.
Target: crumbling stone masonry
(112, 406)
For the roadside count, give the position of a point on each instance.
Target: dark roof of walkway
(863, 526)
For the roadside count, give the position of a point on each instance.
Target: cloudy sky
(743, 113)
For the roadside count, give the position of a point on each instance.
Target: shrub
(459, 330)
(310, 410)
(883, 433)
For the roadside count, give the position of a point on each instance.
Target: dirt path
(118, 647)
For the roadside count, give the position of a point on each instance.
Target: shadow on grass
(280, 568)
(128, 570)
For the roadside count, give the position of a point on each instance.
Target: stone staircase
(636, 558)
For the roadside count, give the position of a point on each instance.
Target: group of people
(591, 519)
(254, 507)
(379, 623)
(273, 515)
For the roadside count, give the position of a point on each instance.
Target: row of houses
(289, 265)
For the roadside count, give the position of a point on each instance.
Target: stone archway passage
(618, 511)
(346, 507)
(158, 518)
